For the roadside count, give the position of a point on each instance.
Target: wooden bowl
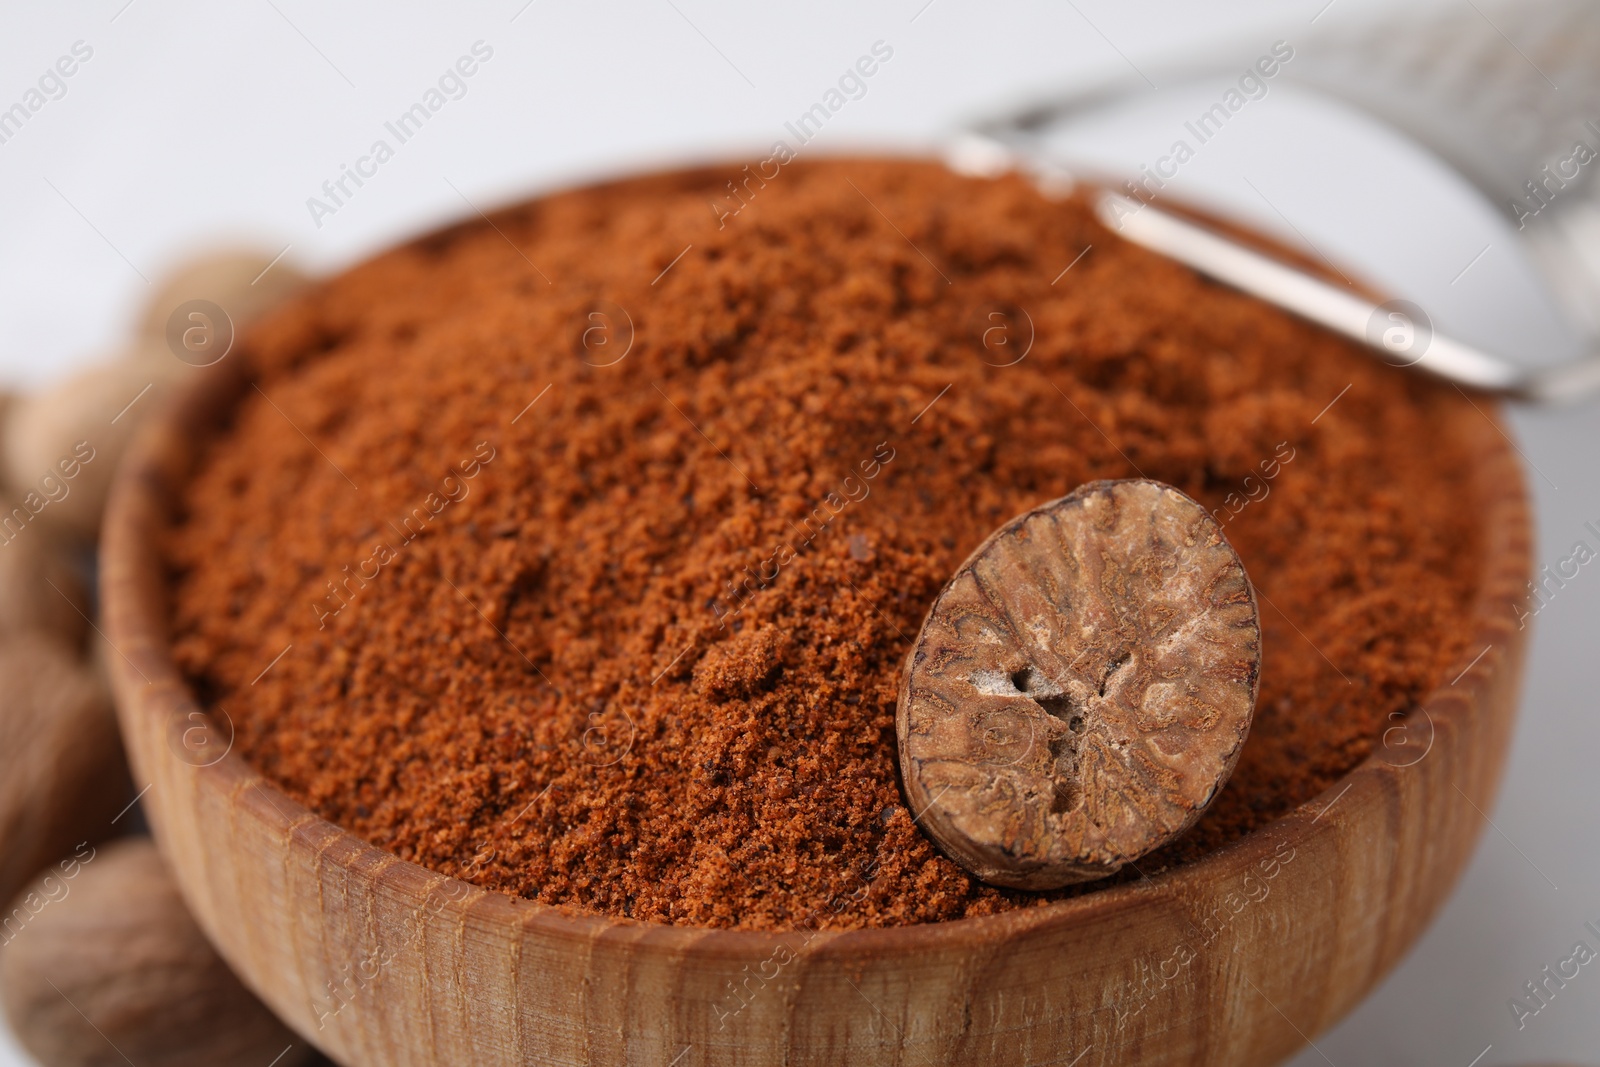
(1236, 959)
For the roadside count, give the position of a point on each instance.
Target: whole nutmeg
(42, 589)
(106, 967)
(242, 282)
(62, 773)
(61, 446)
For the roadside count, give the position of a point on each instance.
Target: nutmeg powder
(577, 554)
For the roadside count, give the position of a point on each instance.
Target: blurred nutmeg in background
(109, 968)
(100, 961)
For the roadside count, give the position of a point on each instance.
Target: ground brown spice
(513, 650)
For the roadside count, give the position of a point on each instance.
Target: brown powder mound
(635, 648)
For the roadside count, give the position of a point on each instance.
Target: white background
(195, 124)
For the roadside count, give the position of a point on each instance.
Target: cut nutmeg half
(1081, 689)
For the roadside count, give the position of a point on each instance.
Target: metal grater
(1507, 93)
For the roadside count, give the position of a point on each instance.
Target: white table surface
(197, 123)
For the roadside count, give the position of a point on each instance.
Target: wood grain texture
(1227, 961)
(1081, 688)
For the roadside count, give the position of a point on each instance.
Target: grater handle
(1390, 329)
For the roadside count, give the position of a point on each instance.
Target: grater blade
(1508, 94)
